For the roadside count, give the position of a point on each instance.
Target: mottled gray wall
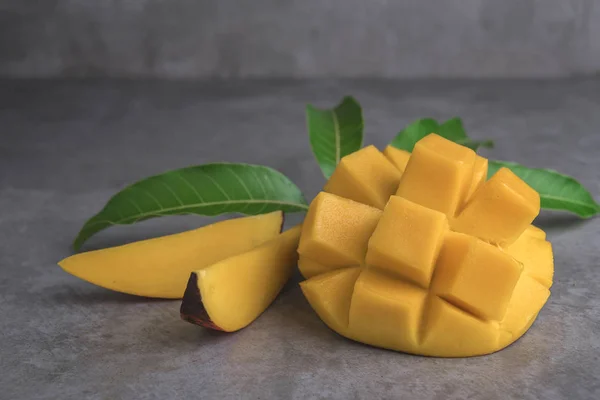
(387, 38)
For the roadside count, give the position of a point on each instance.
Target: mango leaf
(452, 129)
(209, 189)
(409, 136)
(334, 133)
(557, 191)
(476, 144)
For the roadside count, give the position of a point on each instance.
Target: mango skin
(475, 285)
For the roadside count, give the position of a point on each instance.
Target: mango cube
(534, 231)
(451, 332)
(528, 298)
(438, 174)
(336, 230)
(331, 294)
(309, 268)
(480, 170)
(475, 276)
(536, 256)
(393, 305)
(407, 240)
(397, 157)
(500, 210)
(365, 176)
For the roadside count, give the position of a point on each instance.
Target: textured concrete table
(67, 146)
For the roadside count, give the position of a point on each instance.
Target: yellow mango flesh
(452, 267)
(500, 210)
(411, 257)
(231, 293)
(331, 293)
(309, 268)
(385, 312)
(365, 176)
(449, 331)
(438, 175)
(476, 276)
(536, 256)
(536, 232)
(397, 157)
(480, 170)
(160, 267)
(337, 229)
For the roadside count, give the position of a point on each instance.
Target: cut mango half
(433, 260)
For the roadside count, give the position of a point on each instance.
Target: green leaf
(209, 189)
(557, 191)
(476, 144)
(409, 136)
(452, 129)
(334, 133)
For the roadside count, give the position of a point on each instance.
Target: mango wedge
(160, 267)
(230, 294)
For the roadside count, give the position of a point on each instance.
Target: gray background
(299, 38)
(68, 146)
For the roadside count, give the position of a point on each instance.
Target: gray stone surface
(67, 146)
(300, 38)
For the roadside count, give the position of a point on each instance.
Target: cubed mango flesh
(536, 256)
(413, 256)
(500, 210)
(397, 157)
(438, 174)
(338, 230)
(480, 170)
(451, 267)
(394, 306)
(309, 268)
(331, 294)
(476, 276)
(366, 176)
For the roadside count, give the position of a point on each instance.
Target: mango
(160, 267)
(397, 157)
(445, 264)
(337, 229)
(365, 176)
(232, 293)
(438, 174)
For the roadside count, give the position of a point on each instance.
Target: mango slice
(450, 266)
(160, 267)
(231, 293)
